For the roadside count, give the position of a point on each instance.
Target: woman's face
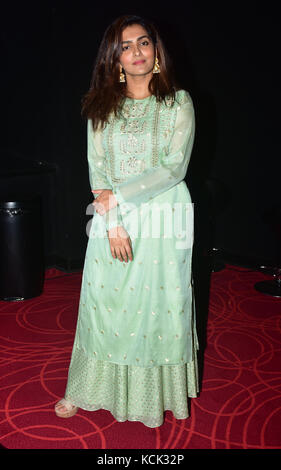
(137, 56)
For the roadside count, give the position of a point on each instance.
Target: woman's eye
(144, 43)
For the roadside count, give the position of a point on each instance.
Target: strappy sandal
(70, 409)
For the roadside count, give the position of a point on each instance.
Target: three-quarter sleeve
(173, 163)
(97, 173)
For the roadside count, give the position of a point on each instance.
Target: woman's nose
(136, 50)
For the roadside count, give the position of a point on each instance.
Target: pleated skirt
(132, 393)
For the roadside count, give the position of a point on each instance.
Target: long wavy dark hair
(107, 93)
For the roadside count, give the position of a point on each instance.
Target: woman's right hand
(120, 243)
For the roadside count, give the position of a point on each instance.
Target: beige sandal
(70, 409)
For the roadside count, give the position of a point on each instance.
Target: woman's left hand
(105, 201)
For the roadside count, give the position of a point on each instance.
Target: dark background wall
(227, 60)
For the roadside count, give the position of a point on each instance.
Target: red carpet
(239, 406)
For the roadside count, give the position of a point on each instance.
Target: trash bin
(22, 266)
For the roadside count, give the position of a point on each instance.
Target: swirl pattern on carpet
(239, 406)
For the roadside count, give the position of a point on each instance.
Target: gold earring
(156, 68)
(122, 75)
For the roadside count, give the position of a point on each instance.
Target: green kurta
(135, 346)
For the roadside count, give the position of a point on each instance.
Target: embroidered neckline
(136, 100)
(136, 108)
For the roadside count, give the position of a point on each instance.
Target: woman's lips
(138, 62)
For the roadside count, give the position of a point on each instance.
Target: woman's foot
(65, 409)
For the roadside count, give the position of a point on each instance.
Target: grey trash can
(22, 266)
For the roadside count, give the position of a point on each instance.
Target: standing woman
(135, 348)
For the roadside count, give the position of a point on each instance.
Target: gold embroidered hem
(132, 393)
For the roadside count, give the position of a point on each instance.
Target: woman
(135, 346)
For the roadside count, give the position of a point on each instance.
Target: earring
(122, 75)
(156, 68)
